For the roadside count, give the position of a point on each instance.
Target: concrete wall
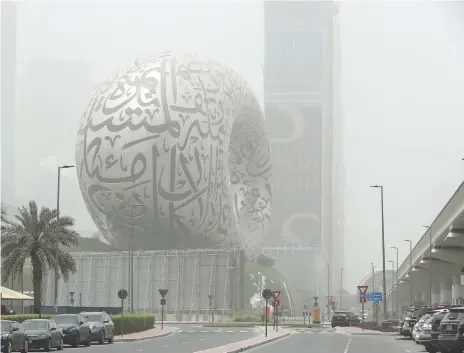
(189, 275)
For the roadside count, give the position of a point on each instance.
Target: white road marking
(202, 339)
(218, 331)
(230, 331)
(191, 331)
(347, 346)
(184, 342)
(243, 331)
(204, 331)
(165, 345)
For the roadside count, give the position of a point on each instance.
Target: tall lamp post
(373, 276)
(393, 271)
(429, 228)
(341, 287)
(383, 252)
(397, 283)
(328, 291)
(131, 261)
(66, 166)
(410, 271)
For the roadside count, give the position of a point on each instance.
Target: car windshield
(425, 317)
(338, 313)
(65, 319)
(429, 320)
(93, 317)
(35, 325)
(454, 315)
(6, 326)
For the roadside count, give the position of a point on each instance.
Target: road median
(249, 343)
(155, 332)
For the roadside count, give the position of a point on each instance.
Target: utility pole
(429, 228)
(341, 288)
(131, 261)
(410, 271)
(397, 283)
(328, 291)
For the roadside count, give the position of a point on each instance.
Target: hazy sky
(401, 88)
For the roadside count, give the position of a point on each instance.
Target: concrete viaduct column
(445, 292)
(436, 288)
(457, 291)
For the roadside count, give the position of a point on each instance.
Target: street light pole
(131, 261)
(410, 271)
(341, 287)
(393, 271)
(373, 277)
(429, 228)
(383, 253)
(328, 291)
(55, 294)
(397, 283)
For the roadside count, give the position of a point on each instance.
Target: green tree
(34, 234)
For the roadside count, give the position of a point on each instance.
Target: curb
(258, 344)
(145, 338)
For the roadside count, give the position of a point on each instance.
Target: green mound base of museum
(132, 322)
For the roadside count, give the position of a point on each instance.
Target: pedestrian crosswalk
(211, 330)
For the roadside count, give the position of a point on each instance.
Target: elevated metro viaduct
(440, 252)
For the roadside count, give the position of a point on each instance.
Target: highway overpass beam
(453, 254)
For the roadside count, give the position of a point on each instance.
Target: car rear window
(340, 314)
(454, 315)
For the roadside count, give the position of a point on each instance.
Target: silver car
(425, 333)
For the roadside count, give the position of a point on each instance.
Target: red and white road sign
(329, 299)
(276, 298)
(362, 293)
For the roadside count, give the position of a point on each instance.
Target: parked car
(460, 336)
(12, 338)
(101, 325)
(43, 333)
(419, 324)
(75, 330)
(449, 330)
(345, 318)
(435, 329)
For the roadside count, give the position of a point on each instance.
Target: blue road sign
(374, 297)
(375, 302)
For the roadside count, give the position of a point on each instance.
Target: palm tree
(35, 234)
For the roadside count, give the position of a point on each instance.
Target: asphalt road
(335, 342)
(188, 339)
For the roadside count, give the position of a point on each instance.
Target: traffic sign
(375, 302)
(267, 294)
(315, 299)
(363, 289)
(122, 294)
(163, 292)
(374, 296)
(276, 294)
(305, 313)
(462, 270)
(362, 298)
(329, 299)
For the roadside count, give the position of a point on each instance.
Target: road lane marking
(230, 331)
(191, 331)
(204, 331)
(202, 339)
(243, 331)
(165, 345)
(218, 331)
(347, 346)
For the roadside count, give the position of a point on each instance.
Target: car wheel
(60, 347)
(101, 339)
(48, 346)
(25, 347)
(111, 339)
(8, 348)
(76, 342)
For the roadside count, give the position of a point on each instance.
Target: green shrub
(247, 318)
(23, 317)
(132, 322)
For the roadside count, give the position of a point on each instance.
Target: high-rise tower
(302, 116)
(8, 99)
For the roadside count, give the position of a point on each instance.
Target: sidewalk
(146, 335)
(250, 343)
(360, 331)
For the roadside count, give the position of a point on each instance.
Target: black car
(101, 325)
(345, 318)
(75, 329)
(449, 330)
(460, 336)
(435, 329)
(43, 333)
(12, 338)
